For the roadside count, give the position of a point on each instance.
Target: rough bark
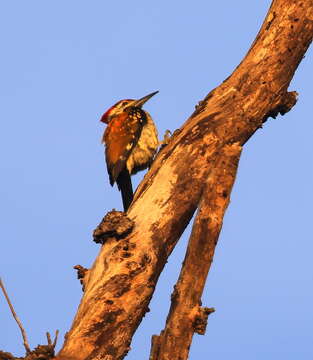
(121, 282)
(186, 315)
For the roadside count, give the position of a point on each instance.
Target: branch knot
(115, 224)
(201, 320)
(286, 103)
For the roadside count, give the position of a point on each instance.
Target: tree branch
(122, 280)
(18, 321)
(186, 315)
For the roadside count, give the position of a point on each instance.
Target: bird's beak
(143, 100)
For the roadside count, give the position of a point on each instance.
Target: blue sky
(63, 64)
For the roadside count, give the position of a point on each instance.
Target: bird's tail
(124, 184)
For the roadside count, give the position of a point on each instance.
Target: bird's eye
(124, 103)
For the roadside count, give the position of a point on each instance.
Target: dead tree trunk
(195, 170)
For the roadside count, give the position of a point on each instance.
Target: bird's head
(123, 106)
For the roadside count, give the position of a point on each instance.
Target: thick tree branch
(122, 280)
(186, 315)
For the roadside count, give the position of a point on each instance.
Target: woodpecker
(131, 141)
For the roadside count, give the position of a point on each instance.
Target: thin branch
(56, 338)
(25, 342)
(50, 343)
(48, 338)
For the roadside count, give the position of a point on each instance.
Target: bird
(131, 141)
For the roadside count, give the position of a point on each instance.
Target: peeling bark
(122, 280)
